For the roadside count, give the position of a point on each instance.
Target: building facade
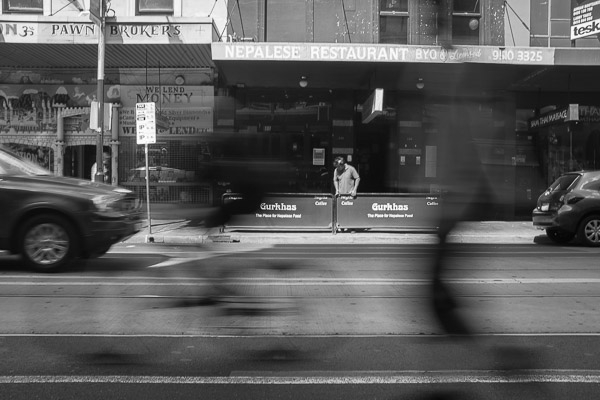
(297, 80)
(301, 72)
(153, 51)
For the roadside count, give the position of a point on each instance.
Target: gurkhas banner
(189, 109)
(388, 211)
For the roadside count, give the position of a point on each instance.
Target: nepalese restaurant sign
(353, 52)
(388, 211)
(175, 32)
(286, 211)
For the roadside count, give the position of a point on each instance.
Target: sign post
(145, 123)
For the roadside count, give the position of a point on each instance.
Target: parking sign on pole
(145, 123)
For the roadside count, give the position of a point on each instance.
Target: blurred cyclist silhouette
(249, 178)
(467, 195)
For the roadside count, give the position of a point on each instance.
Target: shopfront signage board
(585, 18)
(286, 211)
(379, 52)
(555, 117)
(378, 211)
(373, 107)
(86, 31)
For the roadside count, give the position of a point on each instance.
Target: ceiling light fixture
(420, 84)
(473, 24)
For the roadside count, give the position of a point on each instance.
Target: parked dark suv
(51, 220)
(570, 208)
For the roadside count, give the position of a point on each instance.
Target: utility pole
(100, 95)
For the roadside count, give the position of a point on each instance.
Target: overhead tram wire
(241, 18)
(213, 8)
(512, 34)
(517, 15)
(227, 23)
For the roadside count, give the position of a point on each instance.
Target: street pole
(100, 94)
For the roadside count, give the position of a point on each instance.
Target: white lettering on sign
(271, 52)
(523, 56)
(380, 53)
(278, 207)
(389, 207)
(550, 118)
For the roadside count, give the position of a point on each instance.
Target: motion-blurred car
(51, 220)
(570, 208)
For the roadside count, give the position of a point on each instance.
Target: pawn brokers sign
(145, 122)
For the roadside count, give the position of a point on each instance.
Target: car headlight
(104, 203)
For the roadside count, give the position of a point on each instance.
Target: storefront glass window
(550, 25)
(393, 21)
(466, 16)
(155, 6)
(394, 5)
(23, 6)
(285, 21)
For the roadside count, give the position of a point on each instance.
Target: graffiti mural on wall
(33, 108)
(42, 156)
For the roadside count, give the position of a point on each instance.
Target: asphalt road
(347, 322)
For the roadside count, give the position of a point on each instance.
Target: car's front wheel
(559, 236)
(589, 231)
(47, 242)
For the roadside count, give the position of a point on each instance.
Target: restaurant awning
(24, 56)
(464, 69)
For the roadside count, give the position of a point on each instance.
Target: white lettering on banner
(389, 207)
(320, 203)
(433, 203)
(547, 119)
(369, 215)
(521, 56)
(381, 53)
(296, 216)
(278, 207)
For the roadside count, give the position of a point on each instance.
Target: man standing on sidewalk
(345, 178)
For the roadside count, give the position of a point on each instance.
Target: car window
(591, 183)
(12, 164)
(563, 182)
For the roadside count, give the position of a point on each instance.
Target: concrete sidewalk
(191, 231)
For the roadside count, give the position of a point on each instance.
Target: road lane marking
(326, 378)
(265, 281)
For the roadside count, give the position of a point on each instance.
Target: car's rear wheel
(559, 236)
(589, 231)
(47, 242)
